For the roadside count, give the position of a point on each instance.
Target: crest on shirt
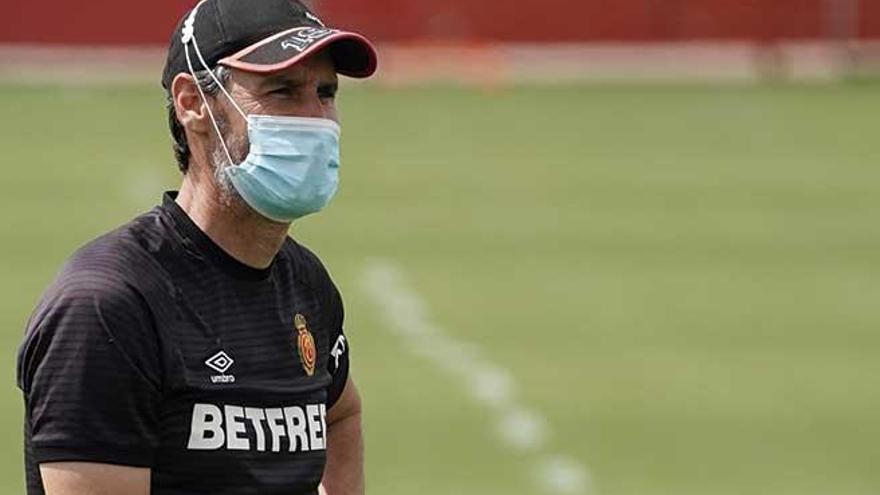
(305, 344)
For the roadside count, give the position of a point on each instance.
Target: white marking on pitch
(517, 426)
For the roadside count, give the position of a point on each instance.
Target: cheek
(235, 135)
(240, 145)
(232, 123)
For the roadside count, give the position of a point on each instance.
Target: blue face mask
(292, 168)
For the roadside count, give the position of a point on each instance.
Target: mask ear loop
(217, 81)
(189, 35)
(207, 106)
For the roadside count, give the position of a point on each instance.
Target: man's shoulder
(112, 281)
(117, 264)
(104, 293)
(308, 268)
(305, 262)
(125, 252)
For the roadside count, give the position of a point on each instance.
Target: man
(199, 349)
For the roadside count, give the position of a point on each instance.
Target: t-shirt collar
(206, 246)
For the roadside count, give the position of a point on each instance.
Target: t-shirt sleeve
(338, 363)
(90, 372)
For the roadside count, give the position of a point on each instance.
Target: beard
(237, 146)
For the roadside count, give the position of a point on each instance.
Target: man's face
(307, 89)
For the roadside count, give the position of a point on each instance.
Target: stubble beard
(237, 146)
(228, 196)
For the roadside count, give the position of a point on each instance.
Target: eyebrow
(283, 80)
(296, 82)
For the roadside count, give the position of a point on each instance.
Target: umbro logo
(220, 362)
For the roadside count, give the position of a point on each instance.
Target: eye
(280, 91)
(327, 92)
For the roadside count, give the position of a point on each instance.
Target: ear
(188, 104)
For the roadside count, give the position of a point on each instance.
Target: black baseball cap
(262, 36)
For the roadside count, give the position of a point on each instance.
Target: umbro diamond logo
(219, 362)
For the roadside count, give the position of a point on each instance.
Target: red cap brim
(352, 53)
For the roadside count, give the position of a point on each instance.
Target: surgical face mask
(292, 167)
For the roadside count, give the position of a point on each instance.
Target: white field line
(518, 427)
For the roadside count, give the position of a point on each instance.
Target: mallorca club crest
(305, 344)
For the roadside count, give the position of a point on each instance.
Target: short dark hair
(178, 134)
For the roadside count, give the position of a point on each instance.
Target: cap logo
(304, 37)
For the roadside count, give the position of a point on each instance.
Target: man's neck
(235, 227)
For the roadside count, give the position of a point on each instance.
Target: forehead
(318, 68)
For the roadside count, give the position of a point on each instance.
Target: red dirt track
(106, 22)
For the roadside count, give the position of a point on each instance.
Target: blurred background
(586, 247)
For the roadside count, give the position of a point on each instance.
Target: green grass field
(683, 280)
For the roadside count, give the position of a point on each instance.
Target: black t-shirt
(156, 348)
